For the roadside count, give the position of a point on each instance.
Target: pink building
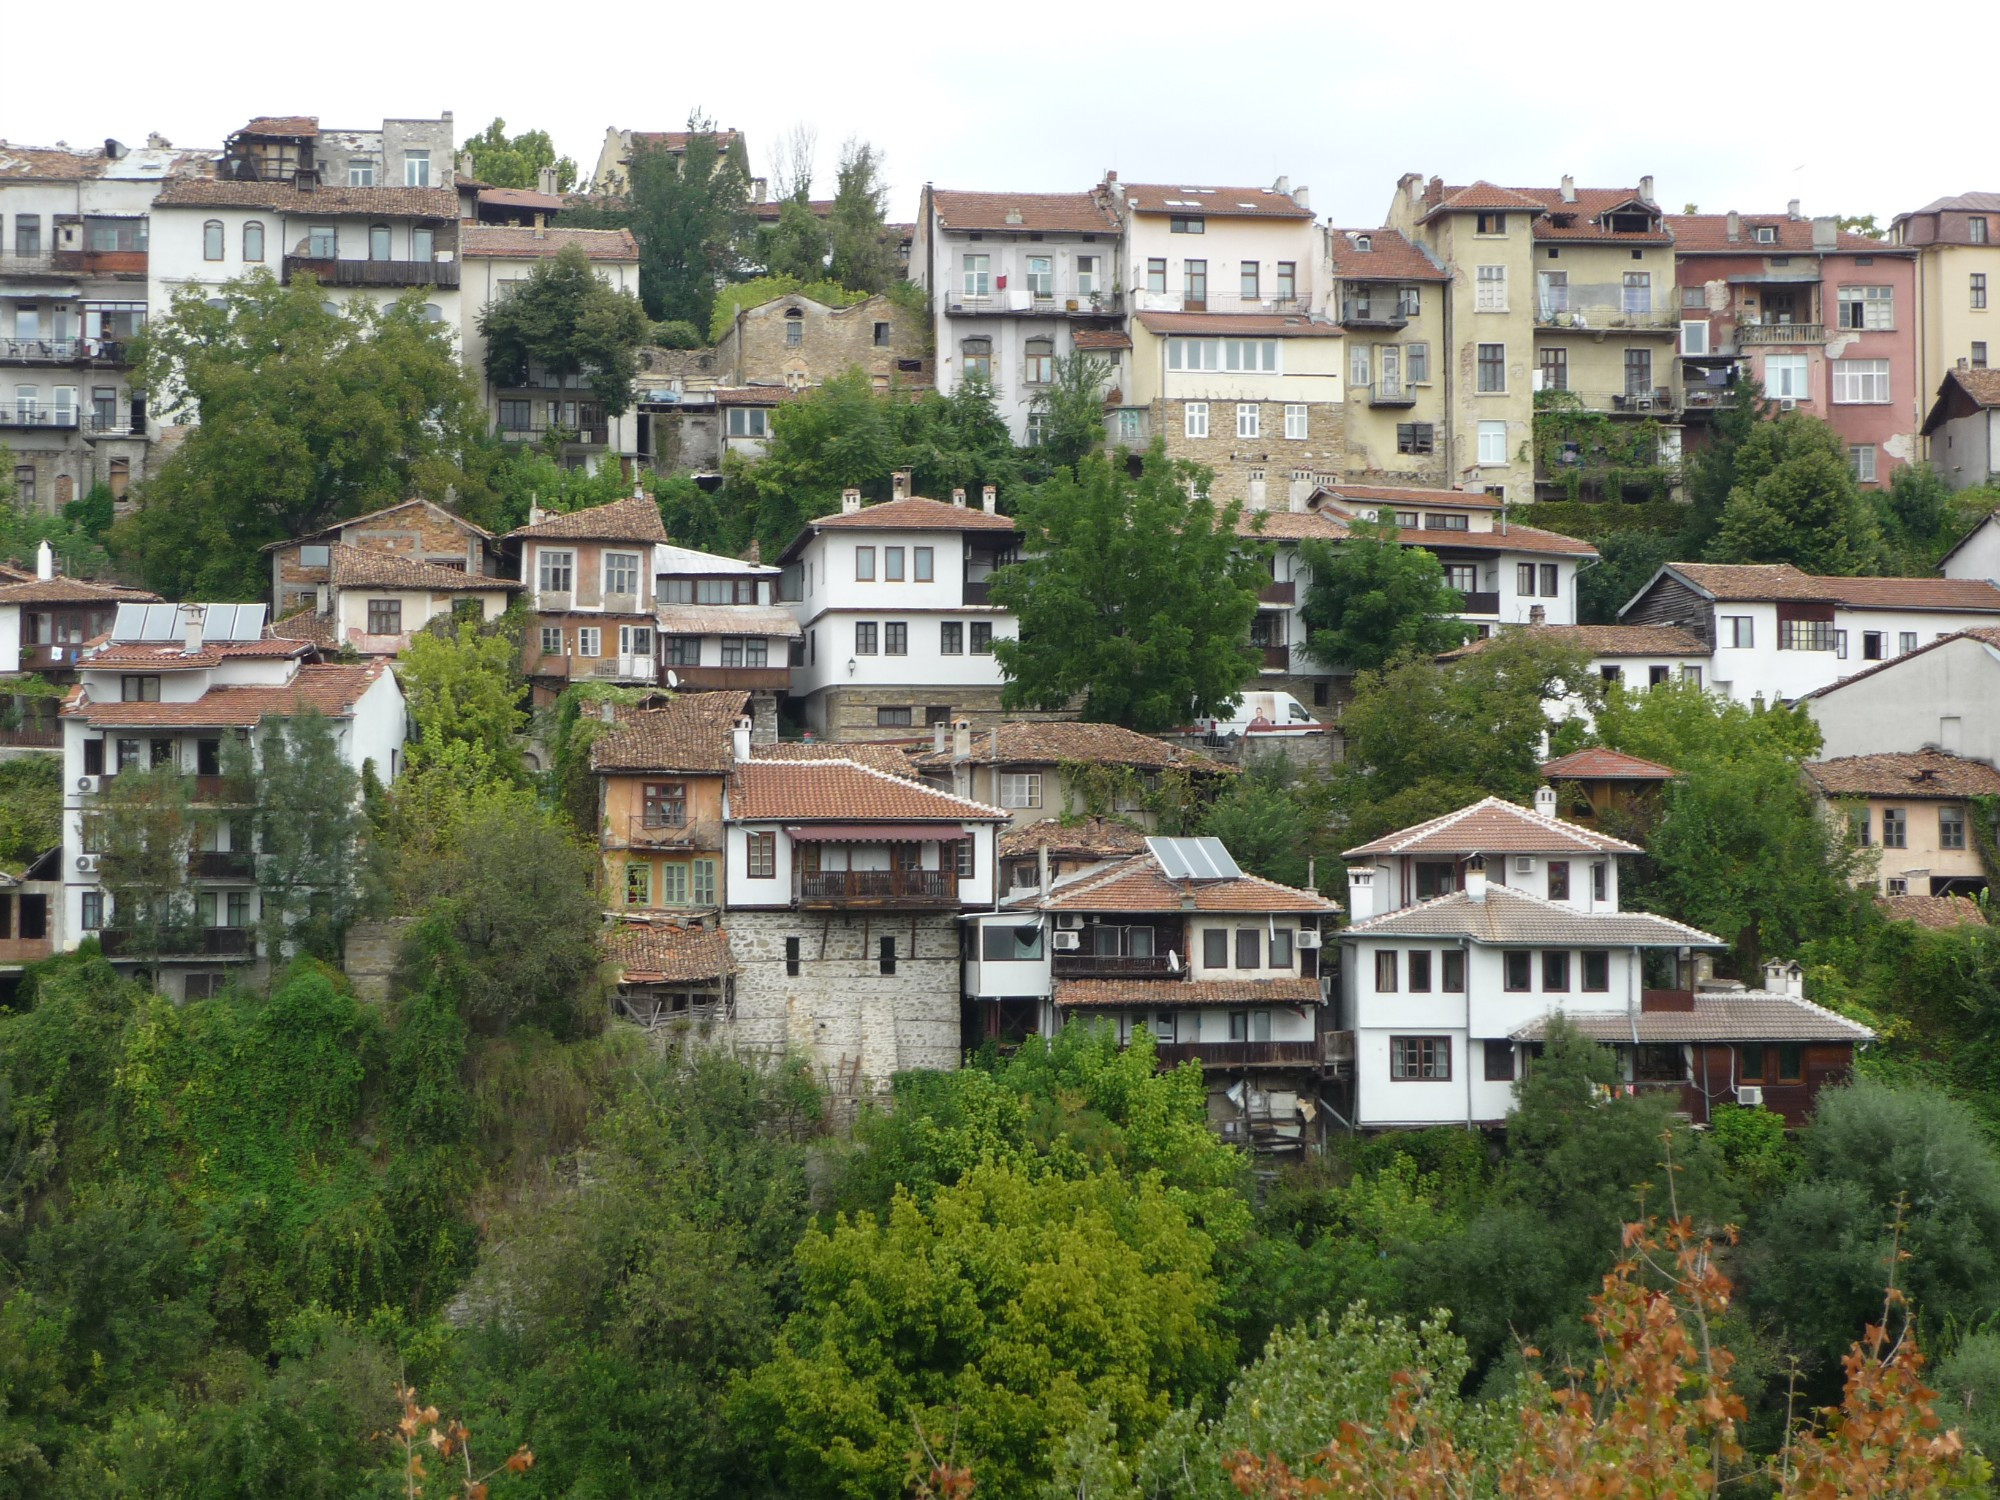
(1825, 320)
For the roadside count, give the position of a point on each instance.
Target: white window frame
(1861, 382)
(1492, 443)
(1194, 419)
(1041, 276)
(1635, 295)
(1194, 354)
(551, 563)
(1020, 789)
(416, 169)
(749, 422)
(1246, 419)
(1861, 458)
(976, 268)
(552, 640)
(589, 640)
(1251, 356)
(1086, 275)
(1737, 632)
(1491, 293)
(1877, 304)
(1694, 336)
(1298, 421)
(1797, 382)
(622, 562)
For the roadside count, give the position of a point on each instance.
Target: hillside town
(534, 686)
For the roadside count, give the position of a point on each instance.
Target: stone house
(795, 342)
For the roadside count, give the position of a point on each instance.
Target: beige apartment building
(1389, 297)
(1958, 273)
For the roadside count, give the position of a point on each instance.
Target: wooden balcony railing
(222, 864)
(1278, 593)
(1477, 603)
(1115, 966)
(442, 273)
(693, 833)
(1239, 1054)
(905, 888)
(1275, 658)
(1767, 334)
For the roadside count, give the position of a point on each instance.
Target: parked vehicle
(1264, 714)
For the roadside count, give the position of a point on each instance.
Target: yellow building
(1916, 812)
(1958, 274)
(1389, 297)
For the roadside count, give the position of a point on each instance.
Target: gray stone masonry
(370, 957)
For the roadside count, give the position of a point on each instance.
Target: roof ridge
(897, 781)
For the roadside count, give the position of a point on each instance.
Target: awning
(878, 833)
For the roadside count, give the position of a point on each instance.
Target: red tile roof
(1578, 220)
(1939, 913)
(1174, 994)
(1282, 525)
(633, 519)
(1240, 325)
(1402, 494)
(1210, 202)
(694, 733)
(72, 591)
(1491, 826)
(891, 760)
(917, 513)
(676, 141)
(283, 197)
(1921, 775)
(772, 209)
(1086, 838)
(1048, 742)
(1139, 884)
(1096, 340)
(370, 568)
(1478, 195)
(1068, 213)
(308, 625)
(1389, 257)
(1767, 582)
(1708, 234)
(667, 953)
(333, 690)
(1718, 1016)
(528, 198)
(1597, 763)
(518, 242)
(173, 656)
(449, 517)
(1604, 640)
(307, 125)
(842, 791)
(1754, 582)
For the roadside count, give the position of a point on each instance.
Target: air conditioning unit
(1068, 942)
(1069, 921)
(1309, 938)
(1523, 865)
(86, 864)
(1750, 1096)
(1788, 404)
(86, 783)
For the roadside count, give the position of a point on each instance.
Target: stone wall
(1270, 456)
(370, 957)
(832, 341)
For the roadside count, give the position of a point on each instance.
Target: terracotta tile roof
(842, 791)
(694, 734)
(1919, 775)
(307, 125)
(1493, 826)
(516, 242)
(1508, 916)
(1571, 222)
(1402, 494)
(449, 517)
(891, 760)
(1986, 634)
(1389, 257)
(528, 198)
(1983, 386)
(1291, 525)
(1175, 994)
(1099, 340)
(1240, 325)
(1973, 595)
(667, 953)
(1754, 582)
(1718, 1016)
(727, 619)
(1048, 742)
(283, 197)
(370, 568)
(310, 626)
(1708, 234)
(1086, 838)
(1939, 913)
(1603, 640)
(917, 513)
(754, 395)
(677, 140)
(72, 591)
(772, 209)
(1068, 213)
(1210, 202)
(333, 690)
(633, 519)
(1478, 195)
(172, 656)
(1598, 763)
(1283, 525)
(1139, 884)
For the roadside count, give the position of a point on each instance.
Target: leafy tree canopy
(465, 686)
(1794, 500)
(689, 211)
(798, 245)
(1372, 599)
(566, 321)
(501, 160)
(1071, 409)
(864, 250)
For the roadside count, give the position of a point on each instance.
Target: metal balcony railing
(1116, 966)
(38, 416)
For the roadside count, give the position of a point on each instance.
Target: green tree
(1795, 501)
(465, 686)
(864, 251)
(798, 245)
(31, 798)
(308, 828)
(142, 825)
(690, 214)
(1709, 472)
(1270, 820)
(1071, 409)
(303, 415)
(1134, 594)
(1372, 599)
(1627, 561)
(505, 161)
(566, 322)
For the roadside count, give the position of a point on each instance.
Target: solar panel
(1194, 859)
(162, 623)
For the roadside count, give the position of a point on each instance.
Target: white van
(1261, 714)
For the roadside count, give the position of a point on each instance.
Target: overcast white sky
(1744, 106)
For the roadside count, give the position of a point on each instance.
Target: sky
(1745, 106)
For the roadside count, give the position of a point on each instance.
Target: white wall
(1948, 698)
(1979, 557)
(1743, 673)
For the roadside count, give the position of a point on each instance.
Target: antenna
(673, 680)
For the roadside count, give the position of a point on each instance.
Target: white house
(172, 684)
(893, 602)
(721, 623)
(1977, 553)
(1964, 428)
(1778, 634)
(1945, 695)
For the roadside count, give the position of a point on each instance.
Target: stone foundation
(849, 713)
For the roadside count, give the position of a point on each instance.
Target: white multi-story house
(1470, 930)
(1014, 279)
(1945, 695)
(893, 602)
(172, 686)
(1778, 634)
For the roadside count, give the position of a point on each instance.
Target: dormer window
(1364, 242)
(1767, 234)
(1631, 223)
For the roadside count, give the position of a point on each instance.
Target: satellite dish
(673, 680)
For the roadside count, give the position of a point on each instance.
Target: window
(1409, 301)
(385, 617)
(881, 335)
(664, 804)
(416, 169)
(1897, 885)
(1453, 971)
(1246, 419)
(361, 174)
(28, 236)
(1358, 366)
(589, 640)
(749, 422)
(1499, 1061)
(1975, 229)
(1492, 224)
(144, 689)
(896, 638)
(1596, 970)
(1951, 828)
(982, 638)
(1420, 971)
(1491, 293)
(1248, 280)
(1895, 828)
(1860, 382)
(1861, 459)
(1249, 947)
(1867, 306)
(1420, 1059)
(1558, 880)
(557, 571)
(378, 242)
(1978, 360)
(1385, 971)
(1040, 362)
(892, 564)
(1555, 369)
(1297, 418)
(951, 638)
(1414, 437)
(1417, 363)
(552, 641)
(211, 240)
(1871, 645)
(761, 863)
(1551, 292)
(1252, 356)
(1638, 373)
(1805, 635)
(791, 943)
(1517, 969)
(864, 638)
(1493, 367)
(1694, 337)
(1785, 377)
(864, 564)
(744, 651)
(1906, 641)
(1186, 224)
(1021, 789)
(1195, 416)
(681, 650)
(638, 885)
(1463, 577)
(1086, 275)
(1524, 580)
(621, 572)
(1194, 282)
(1156, 275)
(92, 915)
(1215, 948)
(1281, 948)
(253, 240)
(1555, 972)
(1493, 442)
(704, 882)
(516, 415)
(421, 248)
(1767, 234)
(1739, 630)
(977, 358)
(795, 332)
(978, 278)
(1194, 354)
(893, 718)
(1979, 289)
(1287, 279)
(1637, 293)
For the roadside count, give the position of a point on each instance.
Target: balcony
(643, 832)
(1778, 335)
(1372, 314)
(42, 263)
(1115, 966)
(40, 418)
(575, 437)
(1479, 603)
(1239, 1054)
(25, 950)
(222, 864)
(101, 262)
(1273, 658)
(228, 791)
(732, 679)
(331, 272)
(880, 888)
(1609, 319)
(1388, 393)
(99, 429)
(41, 351)
(1020, 302)
(1222, 302)
(975, 591)
(32, 734)
(216, 942)
(1278, 593)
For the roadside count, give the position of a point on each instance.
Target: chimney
(1734, 220)
(1475, 879)
(961, 739)
(1259, 492)
(192, 617)
(536, 515)
(545, 179)
(1792, 208)
(1283, 186)
(1646, 188)
(1360, 892)
(1302, 196)
(899, 484)
(958, 497)
(1826, 233)
(1568, 188)
(740, 739)
(1538, 614)
(1785, 979)
(45, 562)
(1297, 491)
(987, 496)
(850, 501)
(1042, 867)
(323, 599)
(157, 142)
(941, 729)
(756, 552)
(1545, 801)
(466, 167)
(1110, 178)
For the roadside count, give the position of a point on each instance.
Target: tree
(1133, 594)
(798, 245)
(465, 686)
(308, 828)
(769, 287)
(864, 253)
(500, 160)
(566, 322)
(1627, 561)
(1795, 501)
(1270, 820)
(305, 414)
(142, 826)
(1372, 599)
(689, 212)
(31, 798)
(1071, 409)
